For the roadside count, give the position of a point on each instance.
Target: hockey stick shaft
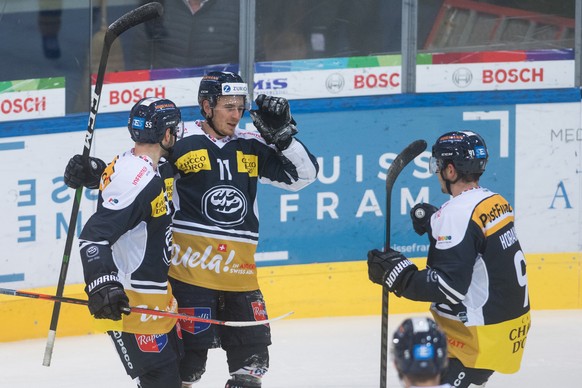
(139, 15)
(402, 160)
(142, 310)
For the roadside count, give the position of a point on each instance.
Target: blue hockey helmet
(150, 117)
(419, 348)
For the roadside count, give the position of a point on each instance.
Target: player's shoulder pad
(450, 223)
(192, 128)
(249, 132)
(128, 175)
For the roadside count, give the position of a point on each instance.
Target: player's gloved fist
(273, 120)
(420, 215)
(391, 269)
(107, 300)
(84, 173)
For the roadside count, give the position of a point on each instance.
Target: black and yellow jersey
(216, 225)
(130, 235)
(476, 278)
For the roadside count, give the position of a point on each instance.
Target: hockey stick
(133, 18)
(159, 313)
(406, 156)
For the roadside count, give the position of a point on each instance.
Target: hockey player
(216, 227)
(476, 270)
(419, 353)
(126, 245)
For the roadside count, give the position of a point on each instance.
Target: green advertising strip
(32, 84)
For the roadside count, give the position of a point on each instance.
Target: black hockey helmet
(221, 83)
(465, 149)
(419, 348)
(150, 117)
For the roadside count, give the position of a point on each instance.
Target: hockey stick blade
(131, 19)
(142, 310)
(402, 160)
(406, 156)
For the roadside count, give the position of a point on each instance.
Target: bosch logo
(462, 77)
(335, 83)
(502, 76)
(128, 96)
(419, 213)
(225, 205)
(376, 81)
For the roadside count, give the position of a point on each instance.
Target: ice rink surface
(322, 352)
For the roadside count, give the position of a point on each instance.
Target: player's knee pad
(193, 366)
(249, 360)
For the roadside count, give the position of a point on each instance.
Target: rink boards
(314, 242)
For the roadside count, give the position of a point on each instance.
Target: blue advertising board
(342, 215)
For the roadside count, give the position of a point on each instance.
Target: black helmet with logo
(465, 149)
(419, 348)
(150, 117)
(221, 83)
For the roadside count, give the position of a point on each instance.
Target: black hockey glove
(273, 120)
(88, 173)
(420, 214)
(390, 269)
(107, 299)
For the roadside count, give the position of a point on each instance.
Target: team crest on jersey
(191, 326)
(194, 161)
(225, 205)
(151, 343)
(247, 164)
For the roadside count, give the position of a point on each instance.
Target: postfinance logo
(247, 163)
(194, 161)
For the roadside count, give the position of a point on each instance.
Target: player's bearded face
(227, 113)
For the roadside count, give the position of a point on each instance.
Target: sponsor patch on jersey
(140, 174)
(193, 327)
(224, 205)
(159, 205)
(247, 164)
(107, 173)
(169, 183)
(194, 161)
(151, 343)
(259, 311)
(494, 210)
(444, 238)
